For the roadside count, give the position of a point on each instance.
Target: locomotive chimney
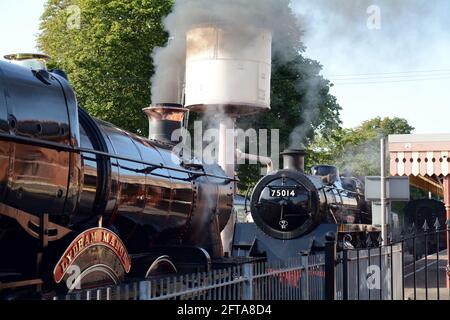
(163, 120)
(35, 61)
(294, 159)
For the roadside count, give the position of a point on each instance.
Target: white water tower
(228, 69)
(228, 73)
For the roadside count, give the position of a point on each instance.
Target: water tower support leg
(227, 146)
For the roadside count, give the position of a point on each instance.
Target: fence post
(345, 274)
(305, 278)
(330, 266)
(144, 290)
(248, 282)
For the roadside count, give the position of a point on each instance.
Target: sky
(385, 57)
(400, 69)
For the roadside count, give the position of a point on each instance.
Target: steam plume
(246, 16)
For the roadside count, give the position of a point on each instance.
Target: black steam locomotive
(293, 211)
(420, 215)
(84, 203)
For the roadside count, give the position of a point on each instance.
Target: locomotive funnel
(294, 159)
(34, 61)
(163, 120)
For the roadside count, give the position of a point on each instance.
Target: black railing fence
(412, 267)
(297, 279)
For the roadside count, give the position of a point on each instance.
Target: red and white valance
(425, 155)
(420, 163)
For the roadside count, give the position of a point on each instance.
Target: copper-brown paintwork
(144, 208)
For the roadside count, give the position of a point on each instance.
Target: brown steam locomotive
(83, 199)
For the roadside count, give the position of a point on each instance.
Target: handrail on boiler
(68, 148)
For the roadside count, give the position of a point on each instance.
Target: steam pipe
(164, 119)
(34, 61)
(226, 146)
(252, 157)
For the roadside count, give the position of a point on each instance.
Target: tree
(108, 61)
(386, 126)
(108, 56)
(355, 151)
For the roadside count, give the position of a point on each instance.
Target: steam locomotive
(418, 213)
(293, 211)
(84, 203)
(83, 199)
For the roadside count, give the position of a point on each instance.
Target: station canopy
(425, 158)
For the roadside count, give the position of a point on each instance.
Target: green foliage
(356, 151)
(417, 193)
(108, 59)
(384, 127)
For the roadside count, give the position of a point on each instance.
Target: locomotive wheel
(94, 275)
(161, 266)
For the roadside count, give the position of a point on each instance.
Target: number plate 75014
(276, 193)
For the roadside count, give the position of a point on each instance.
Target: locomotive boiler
(79, 192)
(293, 211)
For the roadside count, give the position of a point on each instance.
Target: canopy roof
(420, 154)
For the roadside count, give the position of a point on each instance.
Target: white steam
(241, 17)
(361, 159)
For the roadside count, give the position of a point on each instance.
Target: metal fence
(426, 264)
(297, 279)
(370, 274)
(415, 267)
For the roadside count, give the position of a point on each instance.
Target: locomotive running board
(20, 284)
(31, 223)
(349, 228)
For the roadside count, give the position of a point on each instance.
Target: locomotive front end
(285, 204)
(293, 211)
